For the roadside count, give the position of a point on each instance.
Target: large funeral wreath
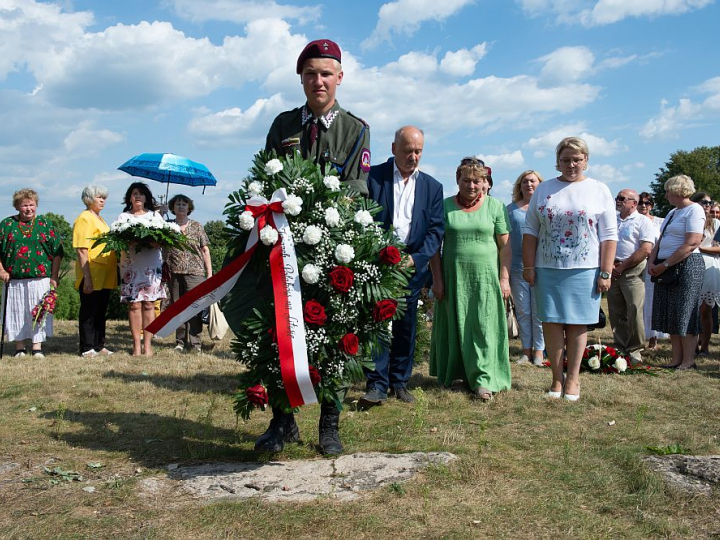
(352, 280)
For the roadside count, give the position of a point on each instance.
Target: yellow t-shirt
(103, 268)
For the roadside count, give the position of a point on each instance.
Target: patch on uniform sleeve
(290, 141)
(365, 160)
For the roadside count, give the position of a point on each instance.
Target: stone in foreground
(691, 474)
(342, 478)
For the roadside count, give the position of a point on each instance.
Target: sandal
(482, 393)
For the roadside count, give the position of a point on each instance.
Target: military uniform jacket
(343, 142)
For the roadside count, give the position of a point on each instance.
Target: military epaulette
(363, 122)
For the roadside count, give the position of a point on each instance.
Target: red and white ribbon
(289, 322)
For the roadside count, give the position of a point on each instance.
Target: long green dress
(469, 337)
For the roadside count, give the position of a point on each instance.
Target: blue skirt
(567, 296)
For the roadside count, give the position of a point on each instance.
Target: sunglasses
(706, 203)
(623, 199)
(645, 203)
(476, 161)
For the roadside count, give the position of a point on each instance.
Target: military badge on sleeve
(365, 160)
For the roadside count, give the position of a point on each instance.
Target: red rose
(315, 377)
(384, 309)
(314, 313)
(390, 255)
(257, 395)
(349, 344)
(612, 352)
(341, 278)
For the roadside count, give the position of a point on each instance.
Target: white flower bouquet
(141, 233)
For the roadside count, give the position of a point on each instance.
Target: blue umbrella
(170, 169)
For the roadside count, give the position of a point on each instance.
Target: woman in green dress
(471, 282)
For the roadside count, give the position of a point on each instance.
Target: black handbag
(671, 276)
(602, 321)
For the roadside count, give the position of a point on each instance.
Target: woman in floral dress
(569, 245)
(30, 255)
(141, 271)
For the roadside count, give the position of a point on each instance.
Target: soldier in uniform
(323, 131)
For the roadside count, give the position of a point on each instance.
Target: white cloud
(566, 64)
(462, 63)
(604, 12)
(87, 140)
(241, 11)
(686, 114)
(598, 146)
(511, 160)
(608, 174)
(406, 16)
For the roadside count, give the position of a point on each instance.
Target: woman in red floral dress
(30, 255)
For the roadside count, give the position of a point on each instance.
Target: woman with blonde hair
(531, 334)
(676, 305)
(569, 244)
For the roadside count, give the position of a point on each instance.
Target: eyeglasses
(567, 161)
(623, 199)
(705, 202)
(645, 203)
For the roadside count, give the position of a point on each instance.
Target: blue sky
(85, 85)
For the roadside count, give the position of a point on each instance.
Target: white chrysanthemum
(273, 167)
(246, 220)
(344, 253)
(311, 274)
(332, 217)
(268, 235)
(332, 183)
(255, 188)
(594, 363)
(620, 364)
(363, 217)
(292, 205)
(173, 226)
(312, 235)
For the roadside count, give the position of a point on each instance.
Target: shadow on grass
(151, 439)
(199, 383)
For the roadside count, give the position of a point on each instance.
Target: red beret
(320, 48)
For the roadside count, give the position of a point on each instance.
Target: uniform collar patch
(327, 120)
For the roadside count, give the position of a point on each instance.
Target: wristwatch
(666, 264)
(605, 275)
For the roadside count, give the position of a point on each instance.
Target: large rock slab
(691, 474)
(343, 478)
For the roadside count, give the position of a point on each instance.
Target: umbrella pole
(6, 288)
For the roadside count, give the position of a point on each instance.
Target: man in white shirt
(412, 203)
(626, 296)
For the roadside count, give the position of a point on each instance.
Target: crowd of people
(556, 249)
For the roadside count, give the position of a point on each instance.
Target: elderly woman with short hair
(95, 273)
(188, 269)
(676, 306)
(30, 254)
(569, 244)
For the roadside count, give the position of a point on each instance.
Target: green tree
(218, 242)
(63, 228)
(701, 164)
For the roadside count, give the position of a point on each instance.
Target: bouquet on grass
(142, 232)
(600, 358)
(350, 273)
(45, 307)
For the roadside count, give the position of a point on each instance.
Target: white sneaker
(523, 359)
(105, 352)
(538, 361)
(89, 354)
(38, 354)
(179, 348)
(19, 354)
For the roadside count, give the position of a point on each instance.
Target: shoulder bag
(671, 276)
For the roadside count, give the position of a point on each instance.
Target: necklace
(27, 233)
(467, 205)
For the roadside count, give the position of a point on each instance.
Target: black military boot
(282, 429)
(329, 434)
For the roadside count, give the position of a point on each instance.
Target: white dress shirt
(632, 231)
(404, 199)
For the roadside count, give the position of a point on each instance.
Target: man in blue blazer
(412, 204)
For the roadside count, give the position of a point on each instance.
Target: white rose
(311, 274)
(273, 167)
(620, 364)
(312, 235)
(332, 217)
(594, 363)
(255, 188)
(363, 217)
(292, 205)
(344, 253)
(268, 235)
(246, 220)
(332, 183)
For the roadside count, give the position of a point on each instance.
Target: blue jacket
(428, 224)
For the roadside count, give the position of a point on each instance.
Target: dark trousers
(393, 366)
(190, 332)
(92, 318)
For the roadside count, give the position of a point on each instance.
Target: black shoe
(371, 398)
(282, 429)
(329, 429)
(403, 395)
